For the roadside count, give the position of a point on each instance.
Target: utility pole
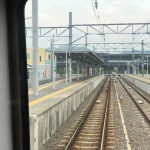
(51, 44)
(147, 63)
(138, 66)
(142, 59)
(86, 42)
(133, 60)
(93, 48)
(108, 63)
(53, 65)
(66, 66)
(70, 46)
(35, 46)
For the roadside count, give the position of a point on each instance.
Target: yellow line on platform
(53, 94)
(44, 87)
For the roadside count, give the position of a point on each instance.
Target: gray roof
(75, 48)
(135, 52)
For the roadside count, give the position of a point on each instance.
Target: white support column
(142, 58)
(147, 63)
(35, 46)
(70, 70)
(66, 68)
(86, 69)
(82, 69)
(51, 61)
(77, 70)
(54, 71)
(128, 68)
(138, 66)
(70, 46)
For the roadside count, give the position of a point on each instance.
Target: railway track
(136, 96)
(141, 94)
(94, 129)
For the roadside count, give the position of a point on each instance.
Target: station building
(44, 62)
(88, 61)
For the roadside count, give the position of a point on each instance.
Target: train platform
(140, 82)
(145, 79)
(47, 94)
(53, 106)
(47, 88)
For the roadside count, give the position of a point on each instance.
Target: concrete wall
(140, 84)
(45, 122)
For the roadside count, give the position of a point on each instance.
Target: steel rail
(136, 90)
(139, 108)
(105, 118)
(85, 116)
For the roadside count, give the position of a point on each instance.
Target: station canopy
(81, 54)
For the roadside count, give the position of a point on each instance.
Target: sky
(56, 13)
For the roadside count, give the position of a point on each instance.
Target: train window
(62, 44)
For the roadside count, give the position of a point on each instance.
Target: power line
(97, 16)
(94, 11)
(144, 26)
(140, 36)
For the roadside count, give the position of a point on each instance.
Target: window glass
(28, 56)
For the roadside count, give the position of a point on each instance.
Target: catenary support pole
(86, 69)
(147, 64)
(142, 59)
(86, 42)
(66, 68)
(133, 60)
(138, 66)
(128, 68)
(70, 69)
(77, 70)
(53, 65)
(82, 69)
(35, 46)
(70, 46)
(51, 60)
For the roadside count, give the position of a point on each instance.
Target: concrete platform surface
(145, 79)
(141, 82)
(48, 97)
(52, 107)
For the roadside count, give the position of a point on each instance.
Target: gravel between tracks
(52, 143)
(138, 137)
(120, 137)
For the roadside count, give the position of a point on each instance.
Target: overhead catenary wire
(143, 27)
(95, 13)
(139, 37)
(97, 16)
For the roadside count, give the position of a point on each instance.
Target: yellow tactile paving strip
(55, 93)
(140, 78)
(46, 86)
